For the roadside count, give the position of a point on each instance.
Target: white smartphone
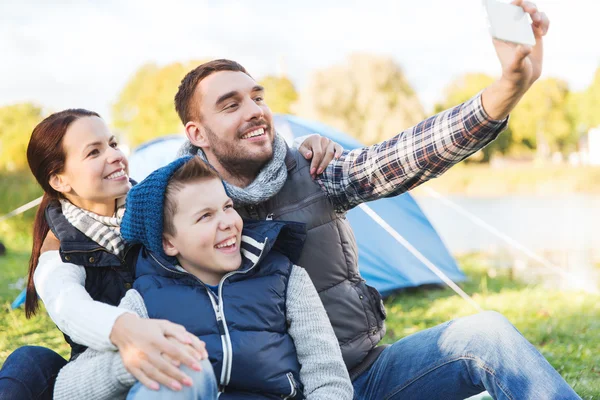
(509, 23)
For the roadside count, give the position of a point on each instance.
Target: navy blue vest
(244, 325)
(108, 277)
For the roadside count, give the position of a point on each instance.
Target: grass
(564, 326)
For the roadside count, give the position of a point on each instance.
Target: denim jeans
(29, 373)
(204, 387)
(462, 358)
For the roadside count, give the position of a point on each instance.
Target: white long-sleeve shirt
(61, 286)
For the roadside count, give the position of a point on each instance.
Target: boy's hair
(193, 170)
(185, 94)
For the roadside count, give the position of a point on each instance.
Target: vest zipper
(293, 390)
(228, 351)
(293, 207)
(218, 308)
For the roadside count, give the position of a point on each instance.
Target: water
(562, 229)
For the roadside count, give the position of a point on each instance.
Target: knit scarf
(268, 183)
(106, 231)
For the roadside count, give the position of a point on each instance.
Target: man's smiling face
(236, 121)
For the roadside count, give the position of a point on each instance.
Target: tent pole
(21, 209)
(400, 239)
(512, 242)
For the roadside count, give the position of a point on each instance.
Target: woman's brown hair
(46, 157)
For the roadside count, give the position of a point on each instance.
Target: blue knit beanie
(143, 219)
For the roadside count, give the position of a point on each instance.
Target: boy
(265, 329)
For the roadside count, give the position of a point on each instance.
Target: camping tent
(384, 263)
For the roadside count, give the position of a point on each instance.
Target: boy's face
(208, 231)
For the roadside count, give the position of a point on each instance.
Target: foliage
(145, 108)
(16, 124)
(542, 119)
(367, 96)
(585, 105)
(280, 93)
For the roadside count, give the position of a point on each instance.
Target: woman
(84, 176)
(77, 162)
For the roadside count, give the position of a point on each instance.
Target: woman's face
(96, 171)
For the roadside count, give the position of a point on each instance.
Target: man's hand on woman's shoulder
(321, 150)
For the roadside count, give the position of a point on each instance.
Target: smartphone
(509, 23)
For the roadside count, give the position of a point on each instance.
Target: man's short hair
(192, 171)
(185, 95)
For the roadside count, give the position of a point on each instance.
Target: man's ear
(168, 247)
(196, 134)
(59, 183)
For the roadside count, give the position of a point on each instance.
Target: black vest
(330, 256)
(108, 277)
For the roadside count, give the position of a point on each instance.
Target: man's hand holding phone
(521, 62)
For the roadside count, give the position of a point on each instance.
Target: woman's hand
(153, 349)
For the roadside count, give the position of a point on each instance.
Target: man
(226, 117)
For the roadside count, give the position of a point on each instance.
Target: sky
(82, 53)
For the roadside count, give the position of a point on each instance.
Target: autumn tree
(584, 106)
(280, 93)
(145, 107)
(542, 119)
(16, 124)
(367, 96)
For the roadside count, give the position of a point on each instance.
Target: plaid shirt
(410, 158)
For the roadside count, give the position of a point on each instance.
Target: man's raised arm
(410, 158)
(434, 145)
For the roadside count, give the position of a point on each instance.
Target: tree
(542, 119)
(585, 106)
(16, 124)
(368, 97)
(462, 89)
(280, 93)
(145, 108)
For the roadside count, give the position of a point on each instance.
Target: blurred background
(369, 69)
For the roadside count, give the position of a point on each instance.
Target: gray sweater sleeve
(98, 375)
(323, 371)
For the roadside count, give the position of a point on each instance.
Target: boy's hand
(153, 349)
(322, 150)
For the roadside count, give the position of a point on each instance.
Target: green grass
(564, 326)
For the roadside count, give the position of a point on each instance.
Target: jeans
(29, 373)
(204, 387)
(462, 358)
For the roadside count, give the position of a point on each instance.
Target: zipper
(293, 390)
(293, 207)
(229, 352)
(217, 303)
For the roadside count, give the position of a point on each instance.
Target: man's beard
(234, 158)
